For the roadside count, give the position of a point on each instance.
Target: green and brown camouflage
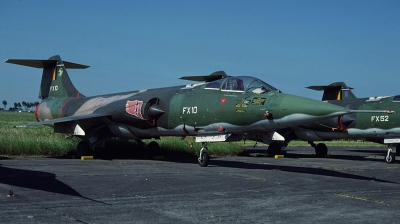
(220, 109)
(381, 127)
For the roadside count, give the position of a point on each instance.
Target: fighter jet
(221, 108)
(378, 127)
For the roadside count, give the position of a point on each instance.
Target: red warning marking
(223, 100)
(134, 108)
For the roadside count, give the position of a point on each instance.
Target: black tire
(398, 150)
(152, 149)
(204, 160)
(321, 150)
(274, 149)
(83, 148)
(154, 146)
(391, 158)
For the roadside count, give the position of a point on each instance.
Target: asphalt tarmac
(349, 186)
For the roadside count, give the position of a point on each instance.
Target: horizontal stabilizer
(44, 63)
(335, 91)
(206, 78)
(320, 88)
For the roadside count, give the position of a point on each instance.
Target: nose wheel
(390, 156)
(204, 158)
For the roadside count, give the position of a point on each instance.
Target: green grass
(351, 143)
(38, 140)
(42, 141)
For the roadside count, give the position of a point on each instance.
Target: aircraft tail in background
(335, 91)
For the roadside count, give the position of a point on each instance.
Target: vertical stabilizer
(335, 91)
(55, 80)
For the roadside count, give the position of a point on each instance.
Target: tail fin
(55, 80)
(335, 91)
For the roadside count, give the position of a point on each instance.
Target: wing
(62, 120)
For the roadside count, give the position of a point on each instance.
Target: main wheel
(83, 148)
(321, 150)
(398, 150)
(274, 148)
(152, 149)
(204, 159)
(391, 158)
(154, 146)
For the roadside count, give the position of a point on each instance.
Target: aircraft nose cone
(295, 110)
(295, 104)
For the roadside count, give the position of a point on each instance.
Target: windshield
(244, 84)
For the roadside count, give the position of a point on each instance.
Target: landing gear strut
(390, 156)
(204, 158)
(321, 149)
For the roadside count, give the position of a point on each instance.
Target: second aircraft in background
(383, 127)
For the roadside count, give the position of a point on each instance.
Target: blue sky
(133, 45)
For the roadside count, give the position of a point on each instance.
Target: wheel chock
(279, 156)
(86, 157)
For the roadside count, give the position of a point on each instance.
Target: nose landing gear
(390, 156)
(204, 158)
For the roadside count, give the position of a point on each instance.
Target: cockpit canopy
(241, 84)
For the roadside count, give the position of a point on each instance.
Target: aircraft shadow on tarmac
(36, 180)
(190, 158)
(371, 151)
(373, 155)
(293, 169)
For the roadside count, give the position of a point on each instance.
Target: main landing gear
(94, 140)
(275, 148)
(204, 158)
(84, 148)
(390, 156)
(87, 147)
(321, 149)
(151, 150)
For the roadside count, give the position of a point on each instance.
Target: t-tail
(55, 80)
(335, 91)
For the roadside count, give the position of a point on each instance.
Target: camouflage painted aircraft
(382, 128)
(220, 109)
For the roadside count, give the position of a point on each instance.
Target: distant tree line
(18, 106)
